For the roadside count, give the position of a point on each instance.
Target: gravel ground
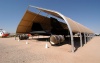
(14, 51)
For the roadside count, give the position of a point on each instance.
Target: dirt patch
(14, 51)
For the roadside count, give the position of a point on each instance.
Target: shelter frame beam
(81, 39)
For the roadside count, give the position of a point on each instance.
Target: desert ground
(14, 51)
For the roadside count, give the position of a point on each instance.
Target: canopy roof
(30, 17)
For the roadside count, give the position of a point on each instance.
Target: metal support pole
(89, 37)
(70, 30)
(72, 42)
(80, 39)
(85, 38)
(92, 35)
(15, 36)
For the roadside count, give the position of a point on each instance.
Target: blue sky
(86, 12)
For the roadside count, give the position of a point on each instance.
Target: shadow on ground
(67, 41)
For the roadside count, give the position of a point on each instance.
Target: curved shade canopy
(31, 17)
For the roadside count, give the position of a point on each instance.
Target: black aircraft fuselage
(56, 28)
